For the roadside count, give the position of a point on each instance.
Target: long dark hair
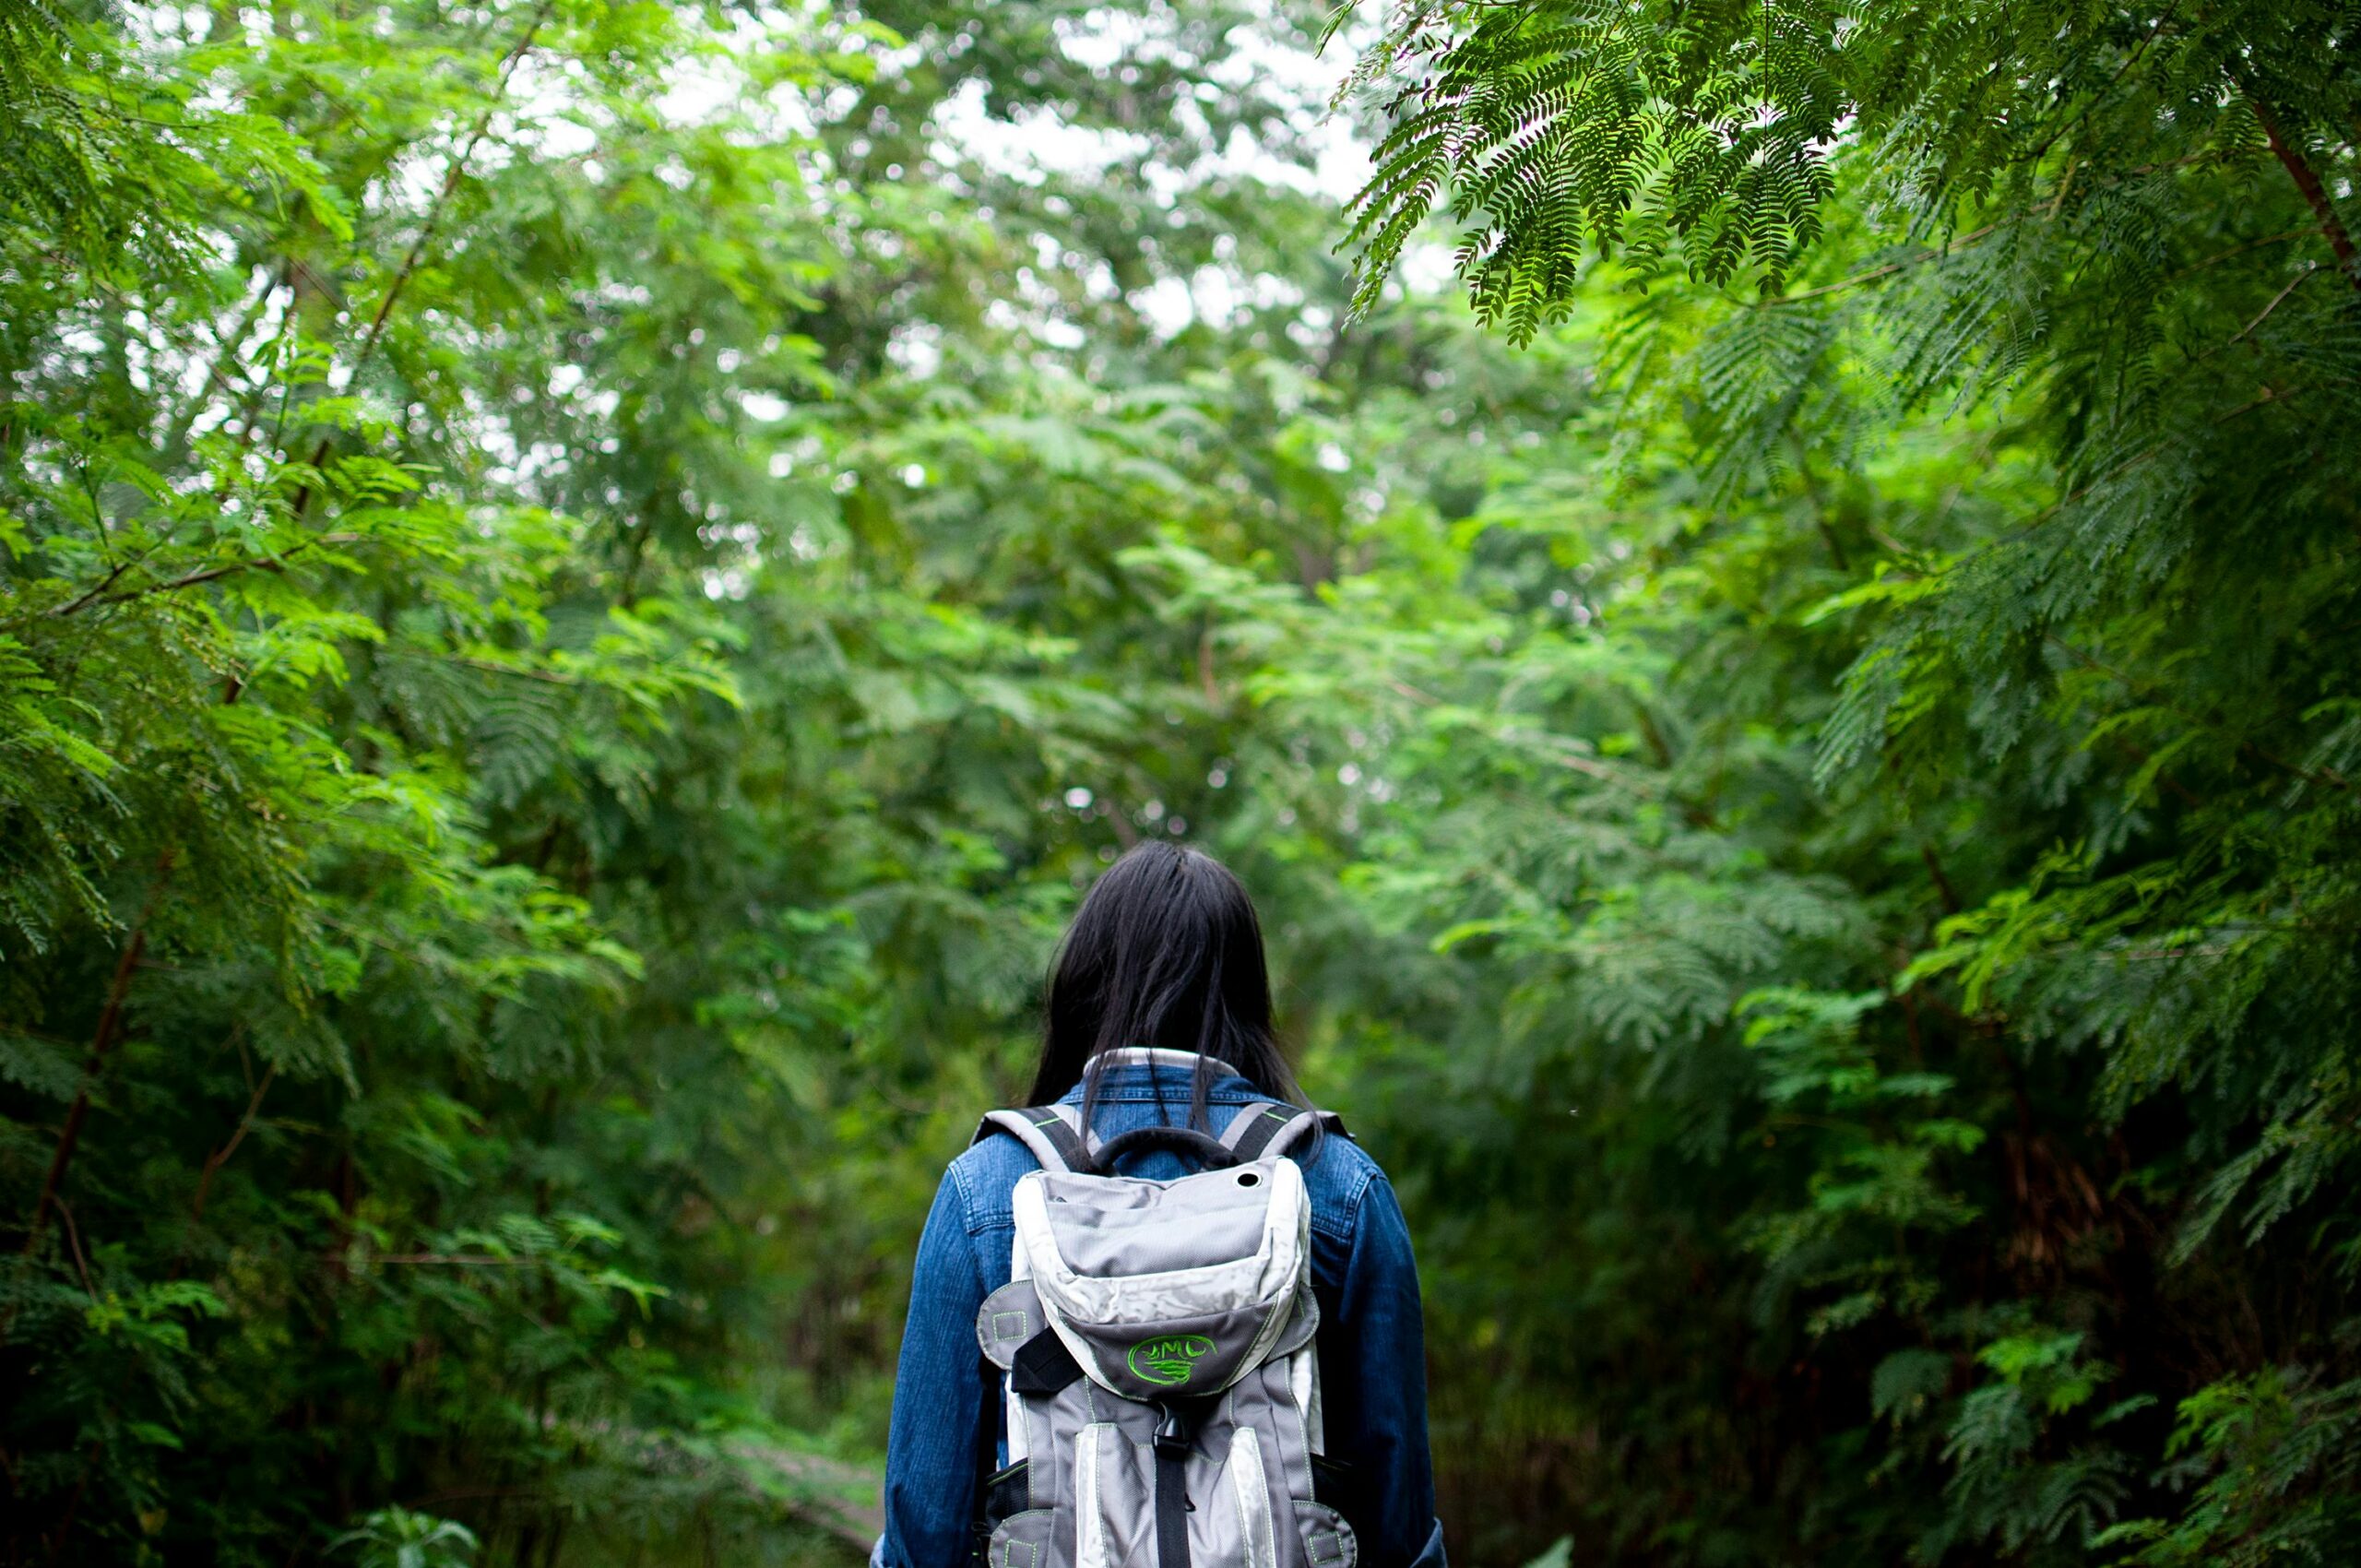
(1166, 950)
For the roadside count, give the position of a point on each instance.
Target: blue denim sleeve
(1377, 1397)
(930, 1450)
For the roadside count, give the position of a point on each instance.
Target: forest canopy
(1764, 596)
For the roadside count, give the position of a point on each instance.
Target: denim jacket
(1371, 1354)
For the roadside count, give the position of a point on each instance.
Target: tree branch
(451, 179)
(185, 419)
(2307, 180)
(2323, 777)
(2276, 301)
(1874, 273)
(220, 1157)
(1819, 500)
(99, 596)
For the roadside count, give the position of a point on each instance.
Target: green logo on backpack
(1168, 1361)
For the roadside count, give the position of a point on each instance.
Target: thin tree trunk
(1942, 883)
(69, 1137)
(73, 1504)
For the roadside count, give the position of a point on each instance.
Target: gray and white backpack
(1156, 1345)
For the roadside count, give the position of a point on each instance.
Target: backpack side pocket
(1020, 1540)
(1328, 1540)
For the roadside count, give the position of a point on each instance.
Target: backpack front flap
(1167, 1289)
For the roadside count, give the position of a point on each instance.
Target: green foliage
(1712, 136)
(1627, 127)
(396, 1538)
(585, 584)
(492, 806)
(2271, 1458)
(2012, 519)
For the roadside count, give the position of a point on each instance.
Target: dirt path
(840, 1498)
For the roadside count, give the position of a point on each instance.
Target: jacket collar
(1155, 1057)
(1154, 1073)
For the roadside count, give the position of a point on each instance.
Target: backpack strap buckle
(1176, 1430)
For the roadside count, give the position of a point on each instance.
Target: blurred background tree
(586, 583)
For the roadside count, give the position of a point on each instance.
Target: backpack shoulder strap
(1271, 1129)
(1049, 1131)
